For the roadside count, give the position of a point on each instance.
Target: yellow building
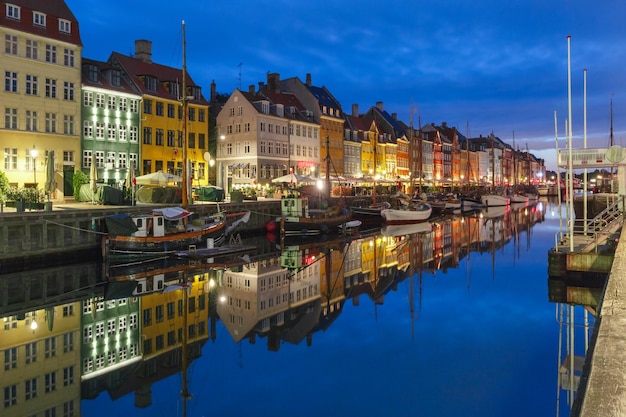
(41, 352)
(161, 141)
(41, 94)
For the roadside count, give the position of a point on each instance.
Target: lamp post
(33, 154)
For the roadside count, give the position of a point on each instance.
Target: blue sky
(480, 66)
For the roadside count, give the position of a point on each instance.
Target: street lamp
(33, 154)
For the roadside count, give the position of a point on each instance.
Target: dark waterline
(449, 326)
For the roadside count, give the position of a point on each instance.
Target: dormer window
(92, 73)
(116, 78)
(65, 26)
(13, 11)
(174, 89)
(196, 92)
(150, 83)
(39, 19)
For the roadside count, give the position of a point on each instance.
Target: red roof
(136, 68)
(53, 9)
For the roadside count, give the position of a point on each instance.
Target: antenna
(240, 65)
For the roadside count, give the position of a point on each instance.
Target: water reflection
(92, 328)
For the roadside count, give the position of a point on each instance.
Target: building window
(201, 141)
(39, 19)
(31, 120)
(100, 100)
(68, 91)
(31, 352)
(88, 129)
(99, 130)
(50, 382)
(134, 106)
(111, 132)
(50, 347)
(68, 58)
(13, 11)
(32, 85)
(65, 26)
(30, 389)
(10, 396)
(122, 133)
(159, 108)
(116, 78)
(201, 115)
(10, 81)
(10, 118)
(68, 124)
(192, 140)
(10, 44)
(88, 99)
(171, 111)
(147, 136)
(147, 317)
(147, 106)
(51, 88)
(192, 114)
(68, 376)
(123, 102)
(159, 137)
(68, 342)
(32, 49)
(51, 54)
(10, 358)
(51, 123)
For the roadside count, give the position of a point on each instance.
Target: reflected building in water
(122, 330)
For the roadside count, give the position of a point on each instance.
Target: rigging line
(74, 228)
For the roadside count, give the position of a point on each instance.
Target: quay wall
(602, 388)
(35, 239)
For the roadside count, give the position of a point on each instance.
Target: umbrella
(130, 183)
(51, 184)
(93, 176)
(293, 178)
(157, 178)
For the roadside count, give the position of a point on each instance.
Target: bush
(4, 187)
(80, 178)
(29, 195)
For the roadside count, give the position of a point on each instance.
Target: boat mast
(412, 164)
(327, 168)
(493, 163)
(185, 196)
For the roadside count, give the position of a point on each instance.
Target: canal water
(457, 318)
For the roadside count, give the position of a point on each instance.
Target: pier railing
(592, 234)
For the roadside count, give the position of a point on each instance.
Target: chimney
(394, 116)
(213, 91)
(444, 125)
(251, 89)
(273, 82)
(308, 79)
(379, 106)
(261, 84)
(355, 110)
(143, 50)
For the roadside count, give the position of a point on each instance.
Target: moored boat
(297, 219)
(415, 212)
(493, 200)
(163, 231)
(351, 227)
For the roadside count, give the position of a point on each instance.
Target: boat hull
(312, 226)
(408, 216)
(151, 245)
(494, 200)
